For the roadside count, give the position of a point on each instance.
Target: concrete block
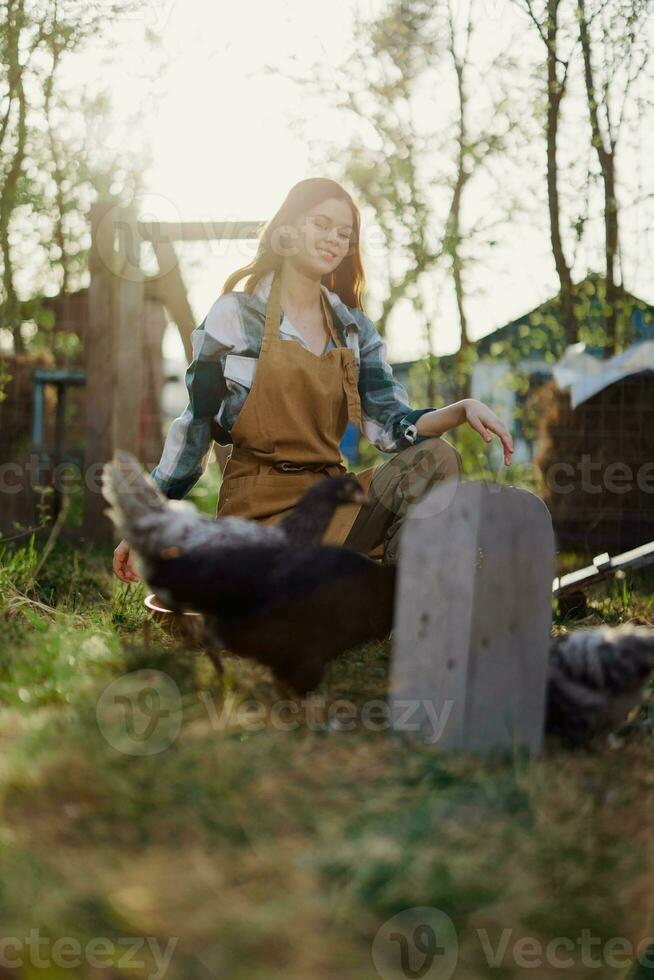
(473, 618)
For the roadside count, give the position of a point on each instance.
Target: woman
(285, 406)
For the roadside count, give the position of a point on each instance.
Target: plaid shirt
(226, 346)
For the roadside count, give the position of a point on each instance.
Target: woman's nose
(335, 242)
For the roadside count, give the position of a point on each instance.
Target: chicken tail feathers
(132, 494)
(597, 677)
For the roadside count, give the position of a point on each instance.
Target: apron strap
(330, 320)
(273, 309)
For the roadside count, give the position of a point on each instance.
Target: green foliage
(238, 838)
(51, 165)
(540, 333)
(5, 378)
(430, 373)
(205, 493)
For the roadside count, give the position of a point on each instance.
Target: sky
(222, 148)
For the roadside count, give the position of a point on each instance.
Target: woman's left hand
(486, 422)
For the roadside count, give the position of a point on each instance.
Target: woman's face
(323, 238)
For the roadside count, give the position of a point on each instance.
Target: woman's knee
(413, 471)
(423, 466)
(439, 455)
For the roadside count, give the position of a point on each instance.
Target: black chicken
(266, 592)
(291, 608)
(308, 520)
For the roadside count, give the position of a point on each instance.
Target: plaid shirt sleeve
(186, 450)
(385, 410)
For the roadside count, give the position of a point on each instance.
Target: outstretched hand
(484, 421)
(122, 563)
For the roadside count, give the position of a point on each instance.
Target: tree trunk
(555, 91)
(10, 305)
(453, 226)
(606, 158)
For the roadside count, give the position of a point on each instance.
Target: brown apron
(287, 435)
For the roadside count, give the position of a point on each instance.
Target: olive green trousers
(395, 485)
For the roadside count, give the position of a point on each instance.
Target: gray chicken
(159, 528)
(596, 678)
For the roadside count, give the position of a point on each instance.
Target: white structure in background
(577, 371)
(584, 376)
(491, 384)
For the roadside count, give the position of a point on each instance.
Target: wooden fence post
(100, 371)
(116, 343)
(129, 294)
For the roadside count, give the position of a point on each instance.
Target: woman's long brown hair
(347, 280)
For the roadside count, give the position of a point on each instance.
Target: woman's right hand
(123, 567)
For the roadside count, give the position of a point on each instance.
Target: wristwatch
(410, 433)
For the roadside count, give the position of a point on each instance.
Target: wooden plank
(153, 289)
(129, 294)
(172, 291)
(603, 566)
(151, 436)
(100, 369)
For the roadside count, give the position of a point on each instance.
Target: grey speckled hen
(159, 528)
(596, 678)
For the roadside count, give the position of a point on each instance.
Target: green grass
(268, 850)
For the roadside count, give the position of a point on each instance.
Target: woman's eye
(320, 223)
